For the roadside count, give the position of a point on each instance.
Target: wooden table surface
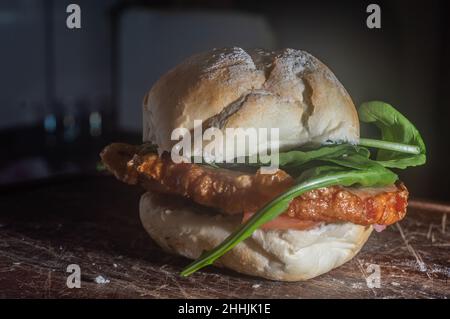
(93, 221)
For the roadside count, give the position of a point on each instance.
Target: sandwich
(289, 205)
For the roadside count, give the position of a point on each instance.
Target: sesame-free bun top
(236, 88)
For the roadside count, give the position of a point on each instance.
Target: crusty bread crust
(288, 255)
(236, 88)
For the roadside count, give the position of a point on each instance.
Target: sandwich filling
(235, 192)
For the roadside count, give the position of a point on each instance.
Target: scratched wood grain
(93, 222)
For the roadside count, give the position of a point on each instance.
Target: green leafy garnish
(298, 158)
(148, 148)
(395, 128)
(341, 164)
(100, 167)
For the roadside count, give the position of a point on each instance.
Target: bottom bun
(288, 255)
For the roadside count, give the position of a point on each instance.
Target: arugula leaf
(367, 172)
(347, 157)
(148, 148)
(394, 128)
(296, 161)
(297, 158)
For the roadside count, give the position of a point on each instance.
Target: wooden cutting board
(93, 221)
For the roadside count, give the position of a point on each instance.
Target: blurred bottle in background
(61, 136)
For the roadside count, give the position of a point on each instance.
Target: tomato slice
(284, 222)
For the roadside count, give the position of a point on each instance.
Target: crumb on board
(357, 285)
(101, 280)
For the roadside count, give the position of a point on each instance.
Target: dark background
(66, 93)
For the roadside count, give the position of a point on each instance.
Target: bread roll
(235, 88)
(288, 255)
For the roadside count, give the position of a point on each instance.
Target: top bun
(236, 88)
